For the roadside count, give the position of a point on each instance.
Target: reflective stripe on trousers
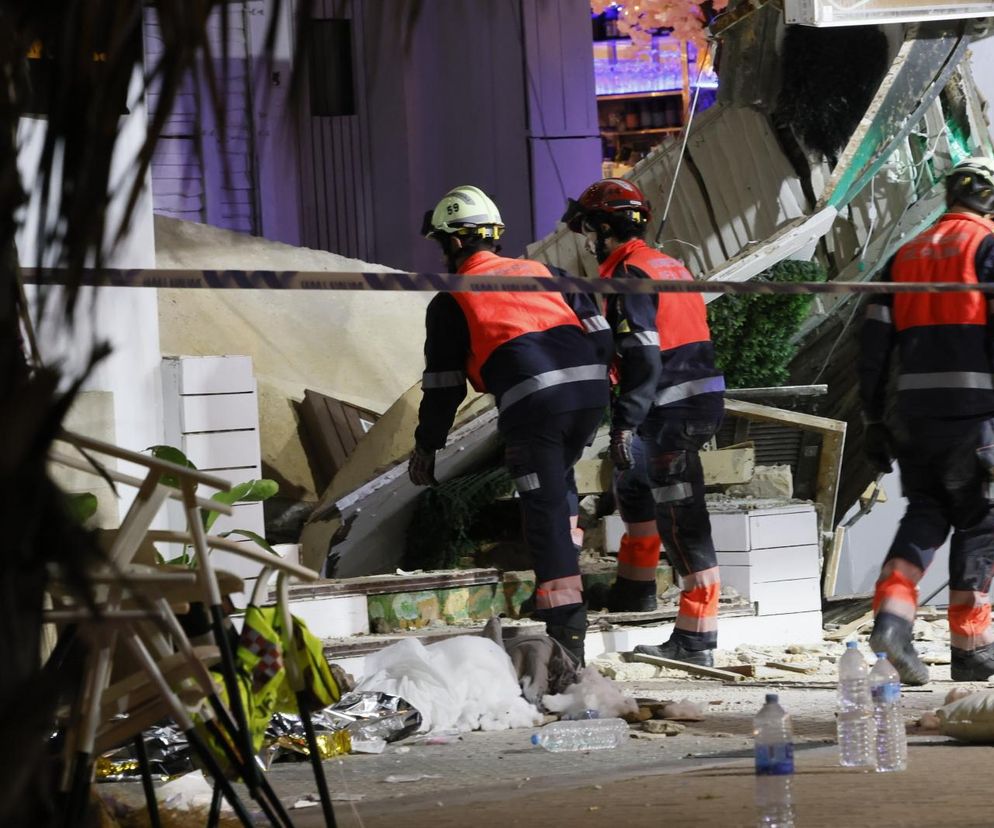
(896, 592)
(691, 388)
(945, 379)
(442, 379)
(969, 619)
(699, 601)
(559, 592)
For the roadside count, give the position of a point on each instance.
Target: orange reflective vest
(946, 252)
(682, 317)
(495, 317)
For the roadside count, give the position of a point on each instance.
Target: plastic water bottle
(588, 734)
(855, 725)
(588, 713)
(892, 741)
(774, 746)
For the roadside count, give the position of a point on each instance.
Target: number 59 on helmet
(465, 211)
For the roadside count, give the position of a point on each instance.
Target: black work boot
(677, 652)
(972, 665)
(627, 595)
(568, 626)
(892, 635)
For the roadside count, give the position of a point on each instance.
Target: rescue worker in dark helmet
(544, 358)
(943, 431)
(669, 404)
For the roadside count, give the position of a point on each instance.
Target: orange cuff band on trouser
(896, 594)
(697, 620)
(638, 557)
(560, 592)
(969, 620)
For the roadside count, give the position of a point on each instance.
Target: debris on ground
(591, 692)
(411, 777)
(681, 711)
(958, 693)
(368, 745)
(189, 792)
(663, 727)
(612, 666)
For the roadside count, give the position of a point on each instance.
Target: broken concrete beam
(693, 669)
(792, 668)
(744, 670)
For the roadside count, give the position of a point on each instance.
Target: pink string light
(638, 20)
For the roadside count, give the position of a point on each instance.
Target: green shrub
(752, 332)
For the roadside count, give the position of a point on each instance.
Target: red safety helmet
(613, 196)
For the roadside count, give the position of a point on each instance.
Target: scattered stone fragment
(640, 715)
(767, 481)
(621, 671)
(682, 711)
(958, 693)
(661, 726)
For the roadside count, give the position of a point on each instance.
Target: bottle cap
(850, 645)
(534, 738)
(772, 698)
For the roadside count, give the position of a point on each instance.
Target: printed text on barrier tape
(318, 280)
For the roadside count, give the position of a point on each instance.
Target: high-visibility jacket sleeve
(443, 385)
(876, 347)
(636, 340)
(594, 324)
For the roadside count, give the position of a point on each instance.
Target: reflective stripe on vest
(494, 318)
(682, 317)
(946, 252)
(579, 373)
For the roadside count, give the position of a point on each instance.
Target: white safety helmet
(464, 210)
(971, 183)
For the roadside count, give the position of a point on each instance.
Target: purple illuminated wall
(490, 92)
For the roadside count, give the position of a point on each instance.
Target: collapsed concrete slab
(360, 524)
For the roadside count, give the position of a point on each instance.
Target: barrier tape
(451, 282)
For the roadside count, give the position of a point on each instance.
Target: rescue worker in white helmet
(943, 431)
(544, 358)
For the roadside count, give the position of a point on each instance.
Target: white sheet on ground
(463, 683)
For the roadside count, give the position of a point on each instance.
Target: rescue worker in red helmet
(669, 404)
(544, 357)
(943, 431)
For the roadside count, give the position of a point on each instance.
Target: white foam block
(742, 531)
(333, 616)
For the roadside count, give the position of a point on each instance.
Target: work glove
(621, 449)
(877, 443)
(421, 469)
